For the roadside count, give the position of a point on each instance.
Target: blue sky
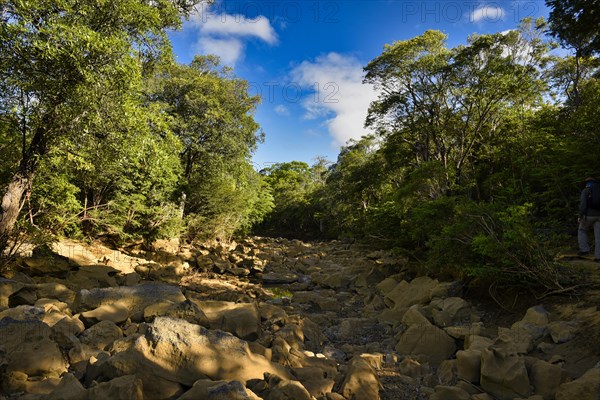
(305, 57)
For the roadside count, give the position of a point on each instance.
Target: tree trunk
(20, 184)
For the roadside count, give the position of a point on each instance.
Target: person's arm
(583, 203)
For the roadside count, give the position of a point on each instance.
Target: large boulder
(134, 298)
(546, 378)
(101, 335)
(186, 310)
(7, 288)
(122, 388)
(503, 373)
(176, 351)
(361, 381)
(428, 340)
(206, 389)
(535, 322)
(585, 388)
(241, 319)
(405, 294)
(29, 348)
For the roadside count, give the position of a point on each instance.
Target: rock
(241, 319)
(179, 352)
(536, 315)
(561, 331)
(134, 298)
(476, 342)
(415, 316)
(186, 310)
(45, 262)
(515, 340)
(546, 378)
(274, 278)
(386, 286)
(446, 372)
(26, 296)
(535, 322)
(587, 387)
(405, 294)
(69, 388)
(123, 388)
(361, 381)
(481, 396)
(130, 279)
(412, 368)
(37, 388)
(464, 331)
(205, 389)
(53, 290)
(66, 327)
(53, 304)
(468, 365)
(451, 311)
(101, 335)
(315, 380)
(503, 374)
(7, 288)
(449, 393)
(24, 313)
(115, 312)
(427, 340)
(287, 389)
(166, 245)
(29, 349)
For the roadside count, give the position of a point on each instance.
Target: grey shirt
(583, 208)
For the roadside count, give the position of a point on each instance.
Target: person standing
(589, 217)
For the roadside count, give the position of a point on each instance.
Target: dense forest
(474, 169)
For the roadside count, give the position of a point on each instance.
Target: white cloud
(229, 50)
(340, 94)
(225, 35)
(488, 14)
(282, 110)
(228, 25)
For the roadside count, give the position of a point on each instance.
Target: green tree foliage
(212, 114)
(576, 23)
(60, 63)
(293, 186)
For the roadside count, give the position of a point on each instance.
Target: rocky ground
(275, 319)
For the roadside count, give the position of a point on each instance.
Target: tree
(576, 24)
(445, 105)
(212, 114)
(60, 62)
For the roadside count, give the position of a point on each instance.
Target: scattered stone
(205, 389)
(186, 310)
(101, 335)
(7, 288)
(241, 319)
(561, 331)
(123, 388)
(29, 348)
(115, 312)
(361, 381)
(449, 393)
(135, 298)
(546, 378)
(427, 340)
(468, 364)
(503, 374)
(587, 387)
